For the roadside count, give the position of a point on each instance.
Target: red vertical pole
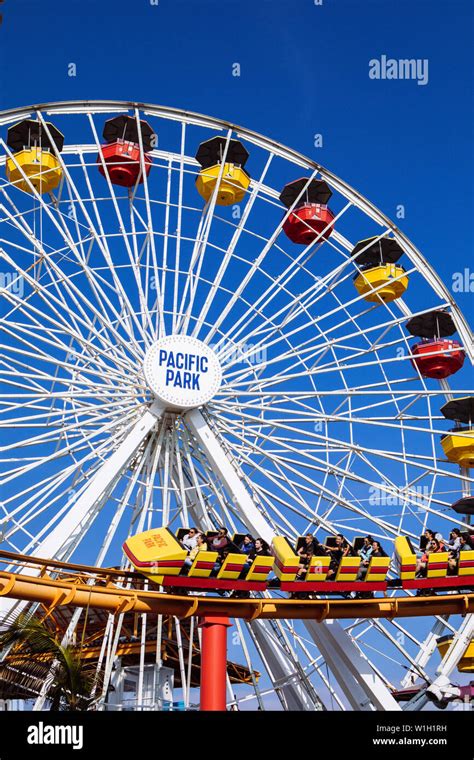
(214, 662)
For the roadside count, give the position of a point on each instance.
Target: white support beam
(460, 643)
(277, 658)
(363, 688)
(427, 648)
(285, 675)
(238, 494)
(64, 537)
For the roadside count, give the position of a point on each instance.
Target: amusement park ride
(171, 362)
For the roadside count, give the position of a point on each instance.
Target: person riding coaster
(309, 568)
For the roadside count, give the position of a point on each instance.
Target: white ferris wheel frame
(361, 684)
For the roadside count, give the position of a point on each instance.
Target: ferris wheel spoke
(229, 253)
(318, 464)
(292, 309)
(255, 266)
(99, 237)
(179, 222)
(166, 265)
(189, 274)
(384, 485)
(61, 451)
(221, 508)
(199, 249)
(336, 365)
(24, 306)
(35, 351)
(86, 415)
(300, 416)
(198, 507)
(151, 233)
(124, 502)
(42, 490)
(316, 345)
(150, 459)
(67, 284)
(44, 499)
(125, 305)
(147, 327)
(149, 230)
(313, 323)
(302, 483)
(65, 536)
(315, 663)
(275, 285)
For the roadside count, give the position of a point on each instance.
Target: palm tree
(38, 647)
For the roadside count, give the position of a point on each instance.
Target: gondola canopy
(213, 151)
(125, 127)
(464, 506)
(317, 191)
(432, 324)
(383, 251)
(30, 133)
(460, 409)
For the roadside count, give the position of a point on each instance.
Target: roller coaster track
(103, 588)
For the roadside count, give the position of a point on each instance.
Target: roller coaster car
(158, 555)
(436, 568)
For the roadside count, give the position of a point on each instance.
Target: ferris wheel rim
(70, 107)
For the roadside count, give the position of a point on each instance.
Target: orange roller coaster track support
(51, 592)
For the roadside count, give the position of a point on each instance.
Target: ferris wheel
(200, 326)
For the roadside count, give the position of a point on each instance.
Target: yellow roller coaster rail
(103, 588)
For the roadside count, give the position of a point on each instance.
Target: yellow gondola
(458, 447)
(234, 180)
(387, 280)
(38, 166)
(34, 162)
(233, 185)
(466, 663)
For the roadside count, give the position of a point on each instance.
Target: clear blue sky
(304, 70)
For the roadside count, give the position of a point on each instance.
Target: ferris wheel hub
(182, 372)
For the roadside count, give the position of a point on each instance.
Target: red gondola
(123, 163)
(311, 217)
(307, 222)
(437, 358)
(122, 154)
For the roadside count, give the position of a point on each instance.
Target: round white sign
(182, 371)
